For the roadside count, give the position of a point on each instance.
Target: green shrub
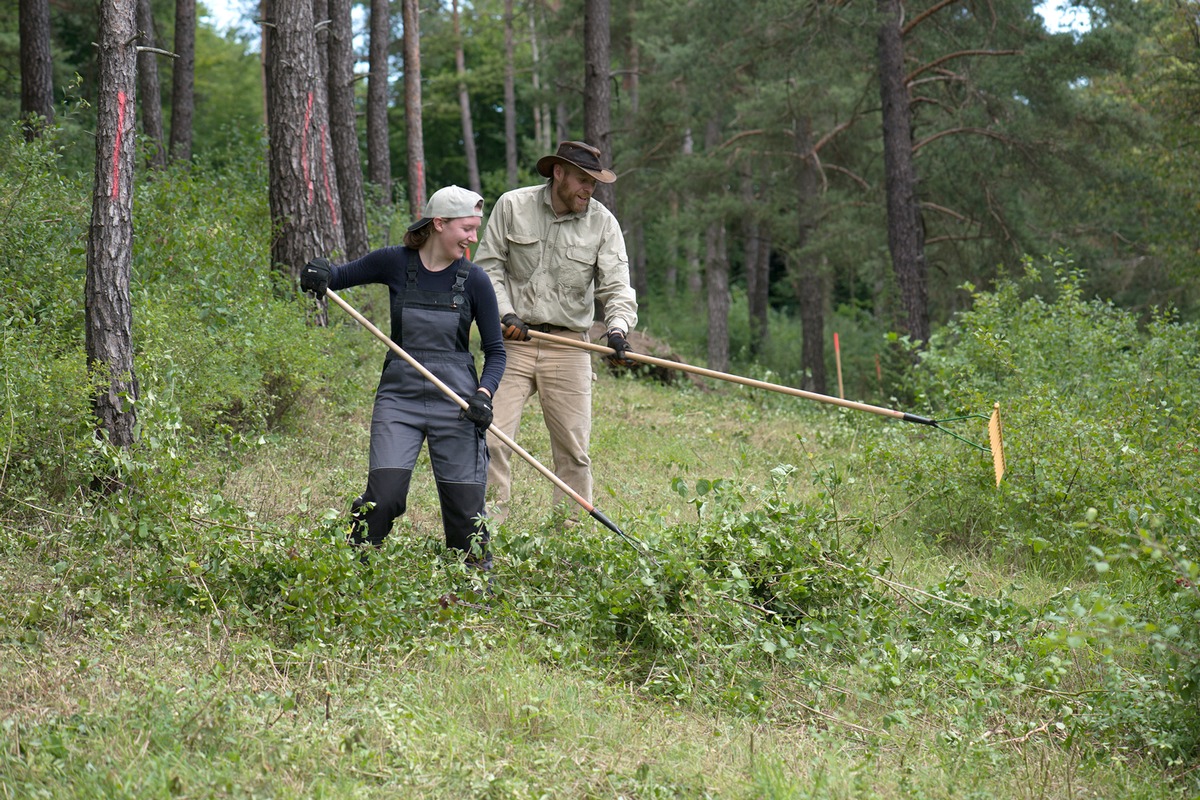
(1101, 439)
(219, 337)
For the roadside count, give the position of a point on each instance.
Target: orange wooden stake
(837, 356)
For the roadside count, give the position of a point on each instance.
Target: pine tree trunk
(147, 73)
(510, 99)
(638, 271)
(809, 273)
(597, 94)
(343, 129)
(906, 236)
(716, 280)
(37, 69)
(108, 310)
(266, 14)
(756, 264)
(810, 292)
(303, 189)
(542, 124)
(412, 108)
(183, 81)
(671, 274)
(464, 105)
(562, 121)
(379, 157)
(716, 273)
(693, 276)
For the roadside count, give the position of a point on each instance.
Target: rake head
(996, 437)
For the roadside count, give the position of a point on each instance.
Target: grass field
(518, 696)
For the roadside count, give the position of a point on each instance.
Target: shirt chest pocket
(524, 253)
(579, 266)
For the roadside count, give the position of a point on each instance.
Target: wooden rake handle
(725, 376)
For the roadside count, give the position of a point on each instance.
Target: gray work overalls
(435, 330)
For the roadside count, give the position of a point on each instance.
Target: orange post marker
(837, 356)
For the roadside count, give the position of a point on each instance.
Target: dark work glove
(616, 340)
(315, 276)
(478, 410)
(515, 328)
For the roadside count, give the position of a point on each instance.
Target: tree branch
(159, 51)
(949, 131)
(958, 54)
(929, 12)
(948, 212)
(824, 140)
(852, 176)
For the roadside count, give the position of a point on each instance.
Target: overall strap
(460, 281)
(414, 262)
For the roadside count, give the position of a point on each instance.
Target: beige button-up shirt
(550, 269)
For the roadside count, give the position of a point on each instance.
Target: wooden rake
(995, 432)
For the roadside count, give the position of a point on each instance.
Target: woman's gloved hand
(478, 410)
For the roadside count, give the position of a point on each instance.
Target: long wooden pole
(724, 376)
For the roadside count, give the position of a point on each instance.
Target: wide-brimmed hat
(450, 202)
(577, 154)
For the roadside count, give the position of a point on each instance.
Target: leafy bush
(219, 337)
(46, 392)
(1103, 451)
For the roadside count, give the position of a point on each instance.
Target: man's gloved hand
(616, 340)
(478, 410)
(515, 328)
(315, 276)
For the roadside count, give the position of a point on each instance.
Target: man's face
(573, 187)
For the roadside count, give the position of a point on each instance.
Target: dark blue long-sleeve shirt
(388, 265)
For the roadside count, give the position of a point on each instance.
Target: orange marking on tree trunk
(116, 174)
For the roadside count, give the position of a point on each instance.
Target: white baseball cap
(450, 202)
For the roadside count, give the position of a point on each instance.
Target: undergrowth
(825, 593)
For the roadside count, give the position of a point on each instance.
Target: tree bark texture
(412, 108)
(756, 264)
(147, 75)
(379, 157)
(906, 236)
(108, 311)
(343, 129)
(183, 81)
(266, 12)
(510, 99)
(671, 273)
(37, 69)
(716, 280)
(638, 272)
(716, 272)
(303, 188)
(542, 125)
(810, 291)
(809, 273)
(464, 105)
(597, 93)
(320, 10)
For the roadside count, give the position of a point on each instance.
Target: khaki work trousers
(562, 378)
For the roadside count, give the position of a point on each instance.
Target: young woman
(436, 293)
